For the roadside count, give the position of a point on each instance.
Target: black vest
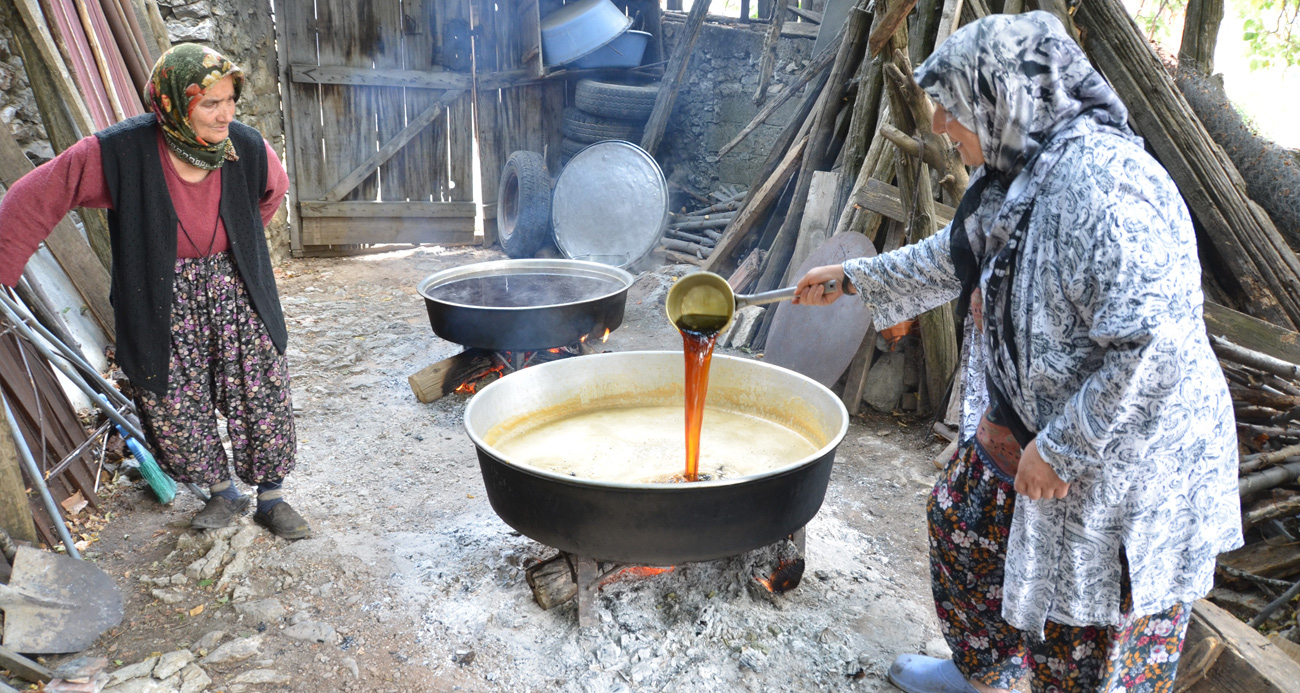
(142, 227)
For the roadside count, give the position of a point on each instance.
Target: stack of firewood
(692, 235)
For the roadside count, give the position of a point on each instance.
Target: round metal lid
(610, 204)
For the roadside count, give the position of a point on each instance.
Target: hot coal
(522, 290)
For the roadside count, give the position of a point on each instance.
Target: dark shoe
(219, 512)
(284, 522)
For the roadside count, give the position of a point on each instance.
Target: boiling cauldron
(655, 523)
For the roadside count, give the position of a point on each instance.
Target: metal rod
(68, 352)
(95, 396)
(25, 454)
(777, 295)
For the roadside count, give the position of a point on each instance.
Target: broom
(162, 485)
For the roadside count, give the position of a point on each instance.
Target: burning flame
(469, 387)
(786, 577)
(604, 338)
(552, 351)
(583, 339)
(638, 571)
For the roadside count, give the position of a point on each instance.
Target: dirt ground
(410, 582)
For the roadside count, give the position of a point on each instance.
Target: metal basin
(646, 523)
(524, 305)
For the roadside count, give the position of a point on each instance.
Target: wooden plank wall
(337, 126)
(524, 117)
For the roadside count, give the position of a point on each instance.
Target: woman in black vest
(200, 330)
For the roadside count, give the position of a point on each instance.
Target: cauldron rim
(620, 280)
(812, 458)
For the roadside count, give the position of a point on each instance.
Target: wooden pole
(672, 80)
(769, 50)
(15, 513)
(1200, 35)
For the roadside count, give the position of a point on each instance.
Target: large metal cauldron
(655, 524)
(523, 305)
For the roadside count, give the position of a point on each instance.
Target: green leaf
(205, 583)
(222, 600)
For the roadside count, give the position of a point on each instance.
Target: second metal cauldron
(554, 303)
(656, 524)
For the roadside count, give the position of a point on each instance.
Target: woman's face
(212, 114)
(966, 142)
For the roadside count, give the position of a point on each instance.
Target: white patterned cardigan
(1119, 379)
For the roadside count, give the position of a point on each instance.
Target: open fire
(473, 369)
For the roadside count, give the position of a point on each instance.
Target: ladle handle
(777, 295)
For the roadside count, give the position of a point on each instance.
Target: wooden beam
(1252, 333)
(769, 50)
(65, 243)
(806, 15)
(673, 76)
(317, 208)
(894, 18)
(360, 76)
(23, 667)
(344, 231)
(438, 380)
(882, 198)
(755, 204)
(1248, 663)
(370, 165)
(32, 16)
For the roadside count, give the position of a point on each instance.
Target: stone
(197, 10)
(885, 382)
(753, 659)
(139, 686)
(194, 679)
(312, 631)
(189, 30)
(200, 541)
(236, 650)
(261, 611)
(168, 596)
(266, 676)
(237, 567)
(351, 665)
(245, 537)
(208, 642)
(132, 671)
(80, 668)
(171, 663)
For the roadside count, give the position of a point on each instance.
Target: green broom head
(163, 486)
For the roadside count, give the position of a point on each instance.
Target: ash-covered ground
(412, 583)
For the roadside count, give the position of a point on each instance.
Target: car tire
(613, 100)
(523, 205)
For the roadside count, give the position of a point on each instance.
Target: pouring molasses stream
(701, 306)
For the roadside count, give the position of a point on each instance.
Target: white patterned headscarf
(1026, 89)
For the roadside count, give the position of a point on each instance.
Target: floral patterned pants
(969, 514)
(221, 361)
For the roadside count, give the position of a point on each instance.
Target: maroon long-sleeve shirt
(75, 178)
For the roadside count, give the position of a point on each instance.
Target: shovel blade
(55, 604)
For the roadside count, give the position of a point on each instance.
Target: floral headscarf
(1028, 91)
(179, 80)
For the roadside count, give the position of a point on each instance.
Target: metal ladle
(706, 293)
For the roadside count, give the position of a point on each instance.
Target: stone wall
(716, 101)
(239, 30)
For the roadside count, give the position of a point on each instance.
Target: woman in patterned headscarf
(198, 318)
(1096, 477)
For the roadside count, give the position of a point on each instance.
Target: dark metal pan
(524, 305)
(655, 523)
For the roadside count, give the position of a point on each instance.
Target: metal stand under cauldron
(557, 580)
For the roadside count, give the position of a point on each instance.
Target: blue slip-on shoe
(921, 674)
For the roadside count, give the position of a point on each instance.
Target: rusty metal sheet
(820, 341)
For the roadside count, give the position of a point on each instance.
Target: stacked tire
(606, 111)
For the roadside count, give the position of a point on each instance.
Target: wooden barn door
(379, 121)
